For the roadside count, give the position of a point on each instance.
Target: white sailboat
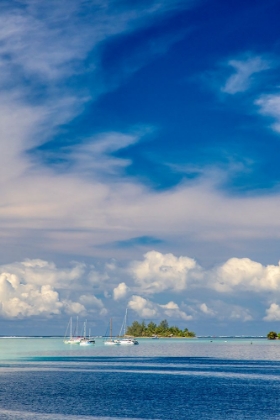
(126, 341)
(86, 341)
(110, 341)
(72, 339)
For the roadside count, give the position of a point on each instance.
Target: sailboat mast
(111, 328)
(85, 328)
(77, 327)
(125, 322)
(71, 329)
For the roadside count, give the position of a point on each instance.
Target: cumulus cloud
(143, 307)
(172, 310)
(235, 276)
(40, 272)
(159, 272)
(224, 310)
(148, 309)
(25, 300)
(272, 313)
(76, 208)
(244, 70)
(37, 287)
(120, 291)
(206, 310)
(239, 313)
(245, 274)
(93, 304)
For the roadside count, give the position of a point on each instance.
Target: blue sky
(139, 164)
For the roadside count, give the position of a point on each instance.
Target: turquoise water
(44, 378)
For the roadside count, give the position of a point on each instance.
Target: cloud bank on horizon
(126, 129)
(39, 288)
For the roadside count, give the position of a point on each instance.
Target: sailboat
(86, 341)
(72, 339)
(126, 340)
(110, 341)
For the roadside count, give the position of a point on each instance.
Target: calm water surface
(159, 379)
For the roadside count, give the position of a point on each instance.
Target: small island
(272, 335)
(161, 330)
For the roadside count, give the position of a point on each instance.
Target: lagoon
(204, 378)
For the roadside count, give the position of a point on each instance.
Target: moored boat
(72, 338)
(128, 341)
(111, 341)
(125, 340)
(86, 341)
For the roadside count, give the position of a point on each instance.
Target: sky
(139, 164)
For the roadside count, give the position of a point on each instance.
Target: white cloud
(206, 310)
(245, 274)
(120, 291)
(239, 313)
(51, 41)
(159, 272)
(25, 300)
(272, 313)
(94, 158)
(224, 310)
(270, 106)
(143, 307)
(244, 70)
(73, 308)
(172, 310)
(92, 305)
(75, 208)
(148, 309)
(36, 287)
(39, 272)
(78, 209)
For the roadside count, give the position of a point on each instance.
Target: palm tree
(272, 335)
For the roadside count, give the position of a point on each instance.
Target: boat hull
(73, 341)
(84, 342)
(128, 342)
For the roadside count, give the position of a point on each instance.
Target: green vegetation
(162, 330)
(272, 335)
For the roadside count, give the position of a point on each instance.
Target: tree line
(162, 329)
(272, 335)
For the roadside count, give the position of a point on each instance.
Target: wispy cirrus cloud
(269, 105)
(77, 208)
(245, 69)
(43, 51)
(82, 202)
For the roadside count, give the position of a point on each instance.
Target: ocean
(204, 378)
